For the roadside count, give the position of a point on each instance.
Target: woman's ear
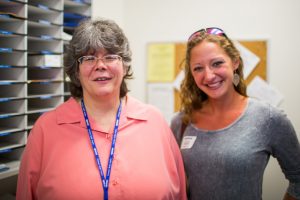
(236, 64)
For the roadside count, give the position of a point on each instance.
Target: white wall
(277, 21)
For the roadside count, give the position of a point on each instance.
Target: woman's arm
(286, 149)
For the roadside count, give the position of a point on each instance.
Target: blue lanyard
(105, 181)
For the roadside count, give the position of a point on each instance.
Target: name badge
(188, 142)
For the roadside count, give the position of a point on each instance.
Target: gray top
(229, 163)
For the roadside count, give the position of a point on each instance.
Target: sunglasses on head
(210, 30)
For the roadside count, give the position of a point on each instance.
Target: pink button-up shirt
(59, 164)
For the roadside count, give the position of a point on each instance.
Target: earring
(236, 79)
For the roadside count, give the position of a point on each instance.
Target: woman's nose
(209, 73)
(100, 65)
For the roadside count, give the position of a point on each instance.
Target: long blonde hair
(191, 96)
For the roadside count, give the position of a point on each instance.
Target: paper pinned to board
(260, 89)
(179, 78)
(161, 62)
(249, 58)
(161, 95)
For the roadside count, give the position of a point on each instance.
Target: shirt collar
(71, 112)
(135, 109)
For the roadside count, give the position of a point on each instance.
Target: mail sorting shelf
(74, 12)
(13, 61)
(45, 49)
(32, 80)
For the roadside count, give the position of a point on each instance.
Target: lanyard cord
(105, 181)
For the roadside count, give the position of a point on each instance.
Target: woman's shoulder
(264, 108)
(142, 109)
(177, 118)
(63, 110)
(176, 121)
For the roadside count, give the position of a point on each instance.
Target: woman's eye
(217, 64)
(198, 68)
(112, 58)
(89, 58)
(109, 58)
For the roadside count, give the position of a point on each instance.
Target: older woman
(101, 143)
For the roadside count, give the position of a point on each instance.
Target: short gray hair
(94, 35)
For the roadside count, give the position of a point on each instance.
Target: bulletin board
(259, 48)
(166, 60)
